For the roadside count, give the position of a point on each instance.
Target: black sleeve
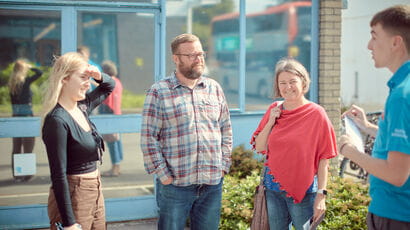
(99, 94)
(37, 75)
(55, 133)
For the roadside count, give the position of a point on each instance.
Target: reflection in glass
(121, 45)
(126, 39)
(222, 50)
(273, 32)
(224, 55)
(29, 41)
(34, 37)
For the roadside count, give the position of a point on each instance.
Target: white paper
(354, 133)
(306, 226)
(310, 225)
(24, 164)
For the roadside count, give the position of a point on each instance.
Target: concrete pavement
(134, 225)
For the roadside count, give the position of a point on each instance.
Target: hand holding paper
(354, 134)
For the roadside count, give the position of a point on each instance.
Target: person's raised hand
(93, 72)
(274, 114)
(358, 116)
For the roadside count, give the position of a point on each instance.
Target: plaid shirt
(186, 133)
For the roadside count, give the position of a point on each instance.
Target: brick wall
(329, 64)
(329, 58)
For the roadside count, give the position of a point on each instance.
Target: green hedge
(346, 203)
(237, 201)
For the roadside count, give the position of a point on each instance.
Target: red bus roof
(269, 10)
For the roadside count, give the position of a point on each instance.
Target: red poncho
(298, 141)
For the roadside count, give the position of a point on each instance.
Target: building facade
(136, 36)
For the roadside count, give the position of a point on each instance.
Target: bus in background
(276, 32)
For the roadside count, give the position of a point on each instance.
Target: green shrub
(4, 96)
(238, 190)
(237, 201)
(131, 100)
(346, 203)
(5, 74)
(38, 88)
(244, 162)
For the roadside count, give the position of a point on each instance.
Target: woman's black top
(70, 149)
(24, 96)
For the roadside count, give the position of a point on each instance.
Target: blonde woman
(21, 101)
(298, 139)
(73, 145)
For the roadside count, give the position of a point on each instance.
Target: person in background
(85, 51)
(186, 139)
(112, 105)
(73, 144)
(297, 138)
(389, 164)
(21, 102)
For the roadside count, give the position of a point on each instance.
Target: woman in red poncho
(298, 139)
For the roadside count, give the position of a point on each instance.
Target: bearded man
(186, 139)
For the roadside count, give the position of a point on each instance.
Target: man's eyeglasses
(193, 56)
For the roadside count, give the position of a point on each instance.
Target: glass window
(125, 40)
(30, 39)
(34, 37)
(216, 24)
(273, 31)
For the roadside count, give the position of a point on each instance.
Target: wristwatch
(322, 191)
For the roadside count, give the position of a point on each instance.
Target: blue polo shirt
(390, 201)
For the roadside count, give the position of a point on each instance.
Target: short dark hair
(182, 38)
(396, 21)
(109, 68)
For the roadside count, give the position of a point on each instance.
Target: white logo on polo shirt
(399, 133)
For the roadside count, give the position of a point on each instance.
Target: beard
(191, 72)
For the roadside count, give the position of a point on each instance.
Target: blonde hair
(63, 67)
(84, 50)
(19, 74)
(292, 66)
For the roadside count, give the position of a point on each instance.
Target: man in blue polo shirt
(389, 164)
